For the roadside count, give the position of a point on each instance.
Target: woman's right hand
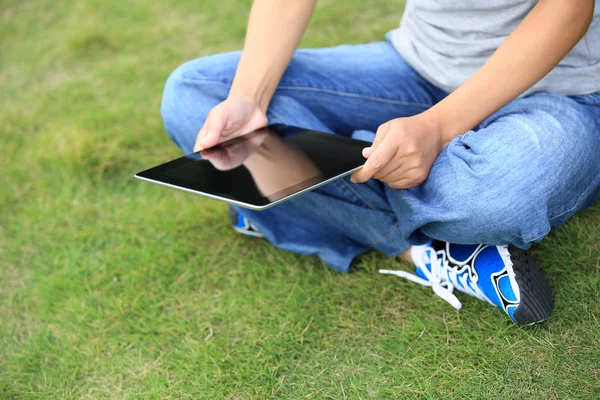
(236, 116)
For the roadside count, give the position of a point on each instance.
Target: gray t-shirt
(446, 41)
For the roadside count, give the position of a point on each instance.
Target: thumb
(376, 161)
(213, 127)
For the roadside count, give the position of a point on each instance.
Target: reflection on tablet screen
(263, 166)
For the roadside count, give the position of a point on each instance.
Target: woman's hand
(234, 117)
(274, 31)
(403, 152)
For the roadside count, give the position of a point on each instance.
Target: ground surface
(114, 288)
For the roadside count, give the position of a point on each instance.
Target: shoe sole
(536, 298)
(233, 219)
(247, 232)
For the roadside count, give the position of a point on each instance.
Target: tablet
(262, 168)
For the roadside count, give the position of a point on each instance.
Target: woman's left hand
(403, 152)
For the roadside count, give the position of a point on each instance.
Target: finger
(397, 163)
(405, 178)
(380, 135)
(393, 176)
(404, 183)
(401, 184)
(213, 128)
(202, 132)
(378, 159)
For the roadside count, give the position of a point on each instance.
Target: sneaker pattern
(485, 272)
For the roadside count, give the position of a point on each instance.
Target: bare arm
(538, 44)
(405, 148)
(275, 28)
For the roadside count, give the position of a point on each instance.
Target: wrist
(447, 124)
(256, 90)
(435, 126)
(250, 95)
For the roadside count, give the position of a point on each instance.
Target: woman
(487, 121)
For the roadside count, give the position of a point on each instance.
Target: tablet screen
(263, 167)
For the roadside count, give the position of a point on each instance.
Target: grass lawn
(112, 288)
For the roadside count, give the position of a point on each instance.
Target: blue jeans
(522, 172)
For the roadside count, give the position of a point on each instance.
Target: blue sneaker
(504, 276)
(242, 225)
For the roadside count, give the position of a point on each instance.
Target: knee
(486, 214)
(175, 109)
(516, 177)
(172, 110)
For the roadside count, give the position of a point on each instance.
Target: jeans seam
(277, 117)
(331, 245)
(362, 199)
(353, 95)
(358, 197)
(578, 201)
(227, 81)
(540, 237)
(369, 243)
(384, 236)
(591, 98)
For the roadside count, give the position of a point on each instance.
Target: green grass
(113, 288)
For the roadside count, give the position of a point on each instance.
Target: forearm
(538, 44)
(275, 28)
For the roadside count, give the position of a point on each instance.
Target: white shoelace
(437, 279)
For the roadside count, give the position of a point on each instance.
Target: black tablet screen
(262, 167)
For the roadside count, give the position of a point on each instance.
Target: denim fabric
(525, 170)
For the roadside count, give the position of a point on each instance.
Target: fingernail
(352, 179)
